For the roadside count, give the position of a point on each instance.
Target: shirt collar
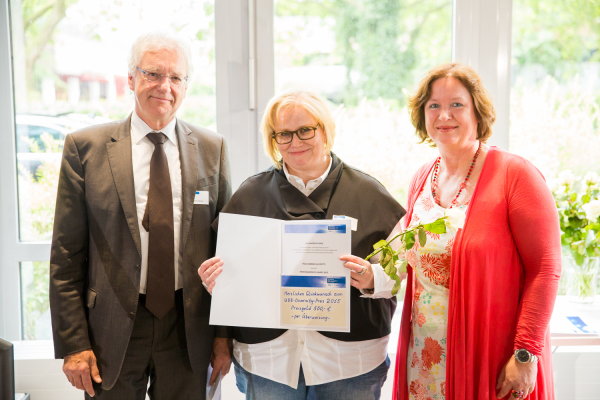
(293, 178)
(139, 129)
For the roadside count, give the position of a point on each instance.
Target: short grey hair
(160, 40)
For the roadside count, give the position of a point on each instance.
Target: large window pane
(555, 93)
(70, 72)
(35, 304)
(363, 56)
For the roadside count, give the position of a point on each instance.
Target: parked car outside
(40, 138)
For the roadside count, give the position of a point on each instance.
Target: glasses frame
(184, 79)
(278, 134)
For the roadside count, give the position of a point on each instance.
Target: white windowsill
(590, 313)
(33, 350)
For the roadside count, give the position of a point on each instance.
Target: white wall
(576, 377)
(577, 373)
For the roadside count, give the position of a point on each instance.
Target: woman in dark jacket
(308, 181)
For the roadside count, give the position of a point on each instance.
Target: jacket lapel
(323, 193)
(318, 201)
(188, 155)
(119, 158)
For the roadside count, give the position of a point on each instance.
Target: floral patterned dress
(426, 360)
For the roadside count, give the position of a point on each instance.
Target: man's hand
(80, 368)
(221, 358)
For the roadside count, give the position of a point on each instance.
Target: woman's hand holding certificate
(288, 274)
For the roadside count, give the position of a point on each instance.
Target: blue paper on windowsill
(571, 326)
(580, 326)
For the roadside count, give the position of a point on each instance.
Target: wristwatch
(524, 356)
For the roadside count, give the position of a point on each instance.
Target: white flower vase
(581, 279)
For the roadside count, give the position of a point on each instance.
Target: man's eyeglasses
(156, 77)
(304, 133)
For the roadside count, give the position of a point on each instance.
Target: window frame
(244, 74)
(482, 38)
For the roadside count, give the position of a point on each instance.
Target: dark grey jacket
(345, 191)
(96, 251)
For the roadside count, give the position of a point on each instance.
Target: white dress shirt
(311, 185)
(141, 153)
(323, 359)
(383, 284)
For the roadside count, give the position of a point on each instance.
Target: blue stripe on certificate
(311, 228)
(313, 281)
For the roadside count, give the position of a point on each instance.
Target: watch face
(523, 356)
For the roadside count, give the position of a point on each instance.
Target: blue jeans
(363, 387)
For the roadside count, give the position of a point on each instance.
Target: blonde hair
(482, 100)
(311, 102)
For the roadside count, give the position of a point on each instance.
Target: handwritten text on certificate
(315, 286)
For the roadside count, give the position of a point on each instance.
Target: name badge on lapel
(201, 197)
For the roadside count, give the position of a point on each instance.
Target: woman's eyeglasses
(304, 133)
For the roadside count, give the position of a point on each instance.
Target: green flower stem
(387, 244)
(390, 258)
(583, 285)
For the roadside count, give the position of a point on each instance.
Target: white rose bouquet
(393, 262)
(578, 204)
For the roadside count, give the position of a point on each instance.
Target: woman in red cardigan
(479, 299)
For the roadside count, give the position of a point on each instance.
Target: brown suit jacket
(96, 251)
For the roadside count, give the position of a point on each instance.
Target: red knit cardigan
(505, 268)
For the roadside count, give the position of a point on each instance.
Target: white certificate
(282, 274)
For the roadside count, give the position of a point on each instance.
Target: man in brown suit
(135, 203)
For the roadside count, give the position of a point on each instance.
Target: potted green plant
(578, 204)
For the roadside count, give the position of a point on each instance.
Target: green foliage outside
(38, 23)
(391, 44)
(40, 18)
(556, 34)
(35, 283)
(38, 193)
(386, 46)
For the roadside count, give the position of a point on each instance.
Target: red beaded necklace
(463, 185)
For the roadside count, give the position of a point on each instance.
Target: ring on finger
(516, 394)
(362, 272)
